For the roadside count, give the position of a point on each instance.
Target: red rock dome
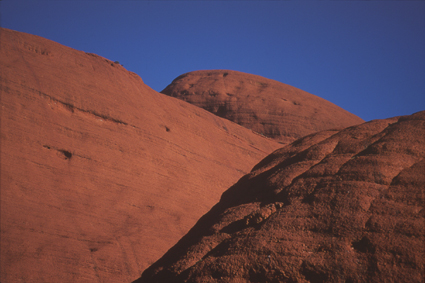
(100, 174)
(335, 206)
(268, 107)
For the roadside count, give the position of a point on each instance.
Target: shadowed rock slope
(269, 107)
(100, 174)
(335, 206)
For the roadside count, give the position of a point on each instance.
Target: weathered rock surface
(335, 206)
(100, 174)
(269, 107)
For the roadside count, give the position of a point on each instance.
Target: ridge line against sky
(367, 57)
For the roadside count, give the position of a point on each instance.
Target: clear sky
(367, 57)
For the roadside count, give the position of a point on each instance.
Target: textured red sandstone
(335, 206)
(269, 107)
(100, 174)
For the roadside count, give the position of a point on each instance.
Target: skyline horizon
(373, 68)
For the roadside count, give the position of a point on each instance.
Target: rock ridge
(334, 206)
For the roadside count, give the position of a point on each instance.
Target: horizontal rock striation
(335, 206)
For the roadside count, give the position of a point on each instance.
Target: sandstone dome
(334, 206)
(100, 174)
(265, 106)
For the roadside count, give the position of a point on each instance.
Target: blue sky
(367, 57)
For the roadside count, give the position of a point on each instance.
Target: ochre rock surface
(335, 206)
(265, 106)
(100, 174)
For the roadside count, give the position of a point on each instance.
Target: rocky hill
(100, 174)
(268, 107)
(335, 206)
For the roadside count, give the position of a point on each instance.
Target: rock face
(100, 174)
(269, 107)
(335, 206)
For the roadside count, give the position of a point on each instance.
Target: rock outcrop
(100, 174)
(335, 206)
(268, 107)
